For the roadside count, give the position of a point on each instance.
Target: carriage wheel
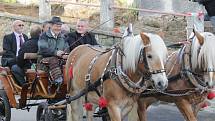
(59, 114)
(5, 110)
(46, 114)
(43, 113)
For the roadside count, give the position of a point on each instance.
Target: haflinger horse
(122, 71)
(191, 73)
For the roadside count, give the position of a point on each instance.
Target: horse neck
(174, 68)
(135, 76)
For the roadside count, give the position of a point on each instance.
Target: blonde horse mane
(132, 46)
(205, 57)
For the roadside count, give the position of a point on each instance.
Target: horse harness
(142, 59)
(186, 73)
(113, 70)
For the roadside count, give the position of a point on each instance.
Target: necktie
(21, 40)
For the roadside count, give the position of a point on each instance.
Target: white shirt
(53, 34)
(18, 42)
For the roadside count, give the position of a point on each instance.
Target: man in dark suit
(81, 36)
(30, 46)
(12, 43)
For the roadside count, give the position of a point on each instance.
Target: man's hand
(60, 53)
(65, 56)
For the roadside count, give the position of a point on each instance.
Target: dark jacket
(48, 45)
(74, 40)
(209, 6)
(9, 48)
(28, 47)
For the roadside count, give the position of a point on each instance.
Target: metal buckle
(87, 77)
(113, 71)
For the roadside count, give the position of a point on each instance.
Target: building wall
(178, 6)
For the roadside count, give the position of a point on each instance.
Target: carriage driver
(52, 46)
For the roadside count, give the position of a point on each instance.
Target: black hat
(56, 20)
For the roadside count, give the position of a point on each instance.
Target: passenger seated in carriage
(81, 35)
(52, 46)
(18, 70)
(12, 43)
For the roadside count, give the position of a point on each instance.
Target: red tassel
(88, 106)
(211, 95)
(102, 102)
(71, 71)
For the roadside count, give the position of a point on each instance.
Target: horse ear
(199, 37)
(161, 34)
(128, 31)
(145, 38)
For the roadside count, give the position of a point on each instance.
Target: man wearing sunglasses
(81, 35)
(12, 43)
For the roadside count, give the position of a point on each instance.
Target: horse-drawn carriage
(114, 78)
(106, 67)
(38, 87)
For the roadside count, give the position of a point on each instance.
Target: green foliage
(8, 1)
(122, 2)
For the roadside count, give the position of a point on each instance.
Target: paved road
(171, 113)
(155, 113)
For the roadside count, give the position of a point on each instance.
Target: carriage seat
(32, 72)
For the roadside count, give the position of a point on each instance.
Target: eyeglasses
(80, 26)
(20, 25)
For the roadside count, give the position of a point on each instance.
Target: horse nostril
(160, 84)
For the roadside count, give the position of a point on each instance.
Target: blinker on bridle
(143, 60)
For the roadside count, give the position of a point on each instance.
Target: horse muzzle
(160, 81)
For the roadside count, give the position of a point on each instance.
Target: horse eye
(149, 56)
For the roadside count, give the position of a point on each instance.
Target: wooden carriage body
(36, 88)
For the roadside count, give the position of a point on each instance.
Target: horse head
(146, 54)
(203, 56)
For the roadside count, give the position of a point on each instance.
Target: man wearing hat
(52, 46)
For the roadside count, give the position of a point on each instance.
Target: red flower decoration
(211, 95)
(88, 106)
(102, 102)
